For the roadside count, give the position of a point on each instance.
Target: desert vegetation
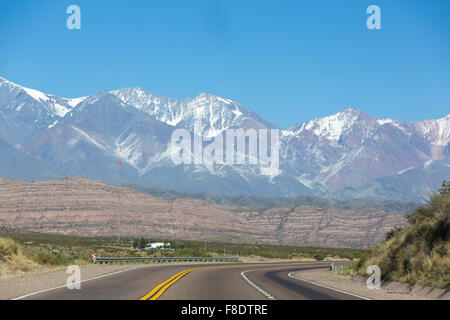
(418, 253)
(23, 251)
(12, 260)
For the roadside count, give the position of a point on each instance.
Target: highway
(237, 281)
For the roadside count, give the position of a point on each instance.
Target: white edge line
(73, 284)
(267, 295)
(323, 286)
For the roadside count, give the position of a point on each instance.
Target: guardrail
(340, 266)
(165, 259)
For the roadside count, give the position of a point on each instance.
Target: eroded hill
(79, 206)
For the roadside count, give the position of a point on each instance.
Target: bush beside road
(419, 253)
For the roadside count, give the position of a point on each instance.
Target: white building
(157, 245)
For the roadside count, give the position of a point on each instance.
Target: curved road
(202, 282)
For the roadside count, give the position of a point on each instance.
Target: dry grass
(12, 261)
(420, 252)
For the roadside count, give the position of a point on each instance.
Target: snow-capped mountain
(351, 148)
(27, 112)
(346, 155)
(215, 113)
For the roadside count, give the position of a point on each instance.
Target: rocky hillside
(84, 207)
(419, 253)
(399, 206)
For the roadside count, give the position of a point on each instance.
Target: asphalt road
(202, 282)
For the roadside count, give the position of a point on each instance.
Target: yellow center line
(151, 293)
(162, 287)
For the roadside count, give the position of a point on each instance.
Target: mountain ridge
(402, 207)
(346, 155)
(84, 207)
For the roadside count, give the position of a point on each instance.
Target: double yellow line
(162, 287)
(159, 289)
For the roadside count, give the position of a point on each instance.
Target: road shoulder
(14, 287)
(348, 284)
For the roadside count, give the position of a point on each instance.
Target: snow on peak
(330, 127)
(7, 83)
(387, 120)
(98, 96)
(393, 122)
(14, 89)
(216, 113)
(140, 98)
(204, 96)
(36, 95)
(167, 110)
(74, 101)
(53, 105)
(435, 131)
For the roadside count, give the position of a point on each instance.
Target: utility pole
(174, 240)
(118, 208)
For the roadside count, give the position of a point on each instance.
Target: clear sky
(289, 61)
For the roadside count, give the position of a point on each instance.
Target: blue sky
(289, 61)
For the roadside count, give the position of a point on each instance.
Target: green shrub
(391, 234)
(319, 257)
(53, 259)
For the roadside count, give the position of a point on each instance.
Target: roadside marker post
(93, 257)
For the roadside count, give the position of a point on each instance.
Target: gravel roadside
(17, 286)
(346, 283)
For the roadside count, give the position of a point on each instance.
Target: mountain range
(252, 201)
(344, 156)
